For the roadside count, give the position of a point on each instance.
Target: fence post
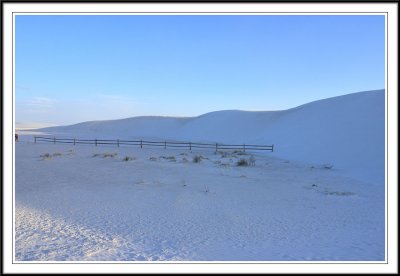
(190, 146)
(272, 147)
(141, 144)
(74, 141)
(117, 142)
(95, 142)
(244, 147)
(54, 139)
(165, 144)
(216, 147)
(35, 139)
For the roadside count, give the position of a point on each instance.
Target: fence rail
(165, 144)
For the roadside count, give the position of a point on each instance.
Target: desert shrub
(242, 162)
(171, 158)
(109, 155)
(197, 159)
(128, 158)
(152, 158)
(327, 166)
(95, 154)
(57, 154)
(46, 156)
(206, 189)
(184, 160)
(239, 152)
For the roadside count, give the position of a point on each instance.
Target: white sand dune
(85, 203)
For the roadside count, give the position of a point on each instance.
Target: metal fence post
(141, 144)
(74, 141)
(165, 144)
(117, 142)
(95, 142)
(190, 146)
(35, 139)
(244, 147)
(54, 139)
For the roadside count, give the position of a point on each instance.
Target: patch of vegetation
(184, 160)
(46, 156)
(57, 154)
(242, 162)
(128, 158)
(152, 158)
(197, 159)
(327, 166)
(240, 152)
(110, 155)
(340, 193)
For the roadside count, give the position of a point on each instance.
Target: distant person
(16, 137)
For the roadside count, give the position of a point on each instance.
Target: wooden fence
(161, 144)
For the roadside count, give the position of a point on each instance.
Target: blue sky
(74, 68)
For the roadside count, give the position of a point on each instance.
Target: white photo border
(391, 88)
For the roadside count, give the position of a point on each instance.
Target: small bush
(327, 166)
(239, 152)
(197, 159)
(242, 162)
(57, 154)
(109, 155)
(46, 156)
(206, 189)
(184, 160)
(152, 158)
(128, 158)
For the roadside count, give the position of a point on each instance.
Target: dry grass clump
(105, 155)
(128, 158)
(197, 158)
(46, 156)
(110, 155)
(242, 162)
